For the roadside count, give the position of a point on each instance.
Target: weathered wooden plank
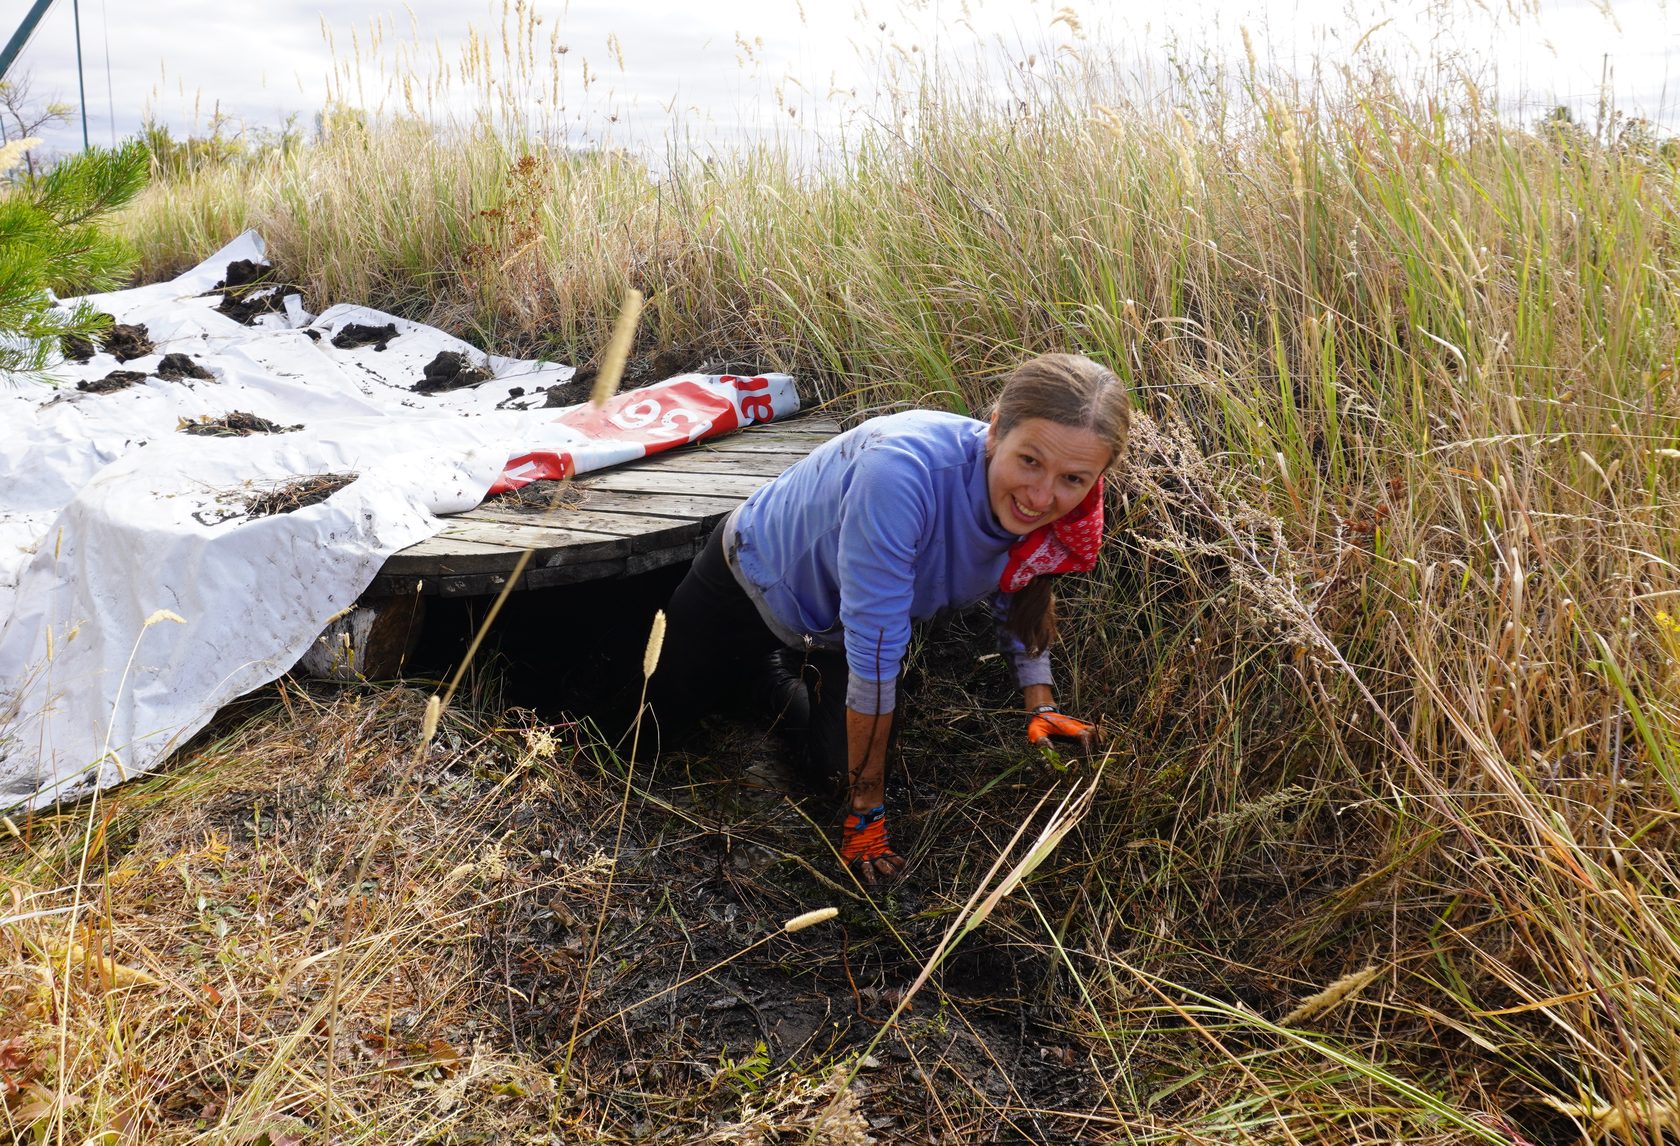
(536, 576)
(659, 558)
(806, 432)
(553, 543)
(641, 480)
(754, 443)
(717, 462)
(442, 556)
(643, 531)
(684, 507)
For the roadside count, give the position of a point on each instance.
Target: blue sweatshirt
(885, 524)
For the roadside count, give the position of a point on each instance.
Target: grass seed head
(810, 919)
(656, 642)
(429, 723)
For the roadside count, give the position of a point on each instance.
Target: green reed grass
(1403, 549)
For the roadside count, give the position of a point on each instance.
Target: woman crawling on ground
(823, 570)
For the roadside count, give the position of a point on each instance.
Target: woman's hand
(863, 842)
(1046, 723)
(863, 833)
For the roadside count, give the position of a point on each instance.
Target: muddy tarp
(138, 593)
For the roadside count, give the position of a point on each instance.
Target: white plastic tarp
(138, 595)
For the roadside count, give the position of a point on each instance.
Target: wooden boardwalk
(628, 519)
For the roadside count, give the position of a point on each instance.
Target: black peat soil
(112, 382)
(450, 370)
(720, 847)
(124, 341)
(353, 335)
(176, 367)
(249, 290)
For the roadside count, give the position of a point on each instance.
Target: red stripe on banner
(527, 468)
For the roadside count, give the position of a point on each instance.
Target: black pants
(719, 655)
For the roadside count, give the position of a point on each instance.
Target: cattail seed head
(810, 919)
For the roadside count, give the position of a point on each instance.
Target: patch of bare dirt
(450, 370)
(539, 931)
(694, 992)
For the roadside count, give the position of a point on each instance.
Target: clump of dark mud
(75, 348)
(125, 341)
(295, 494)
(249, 291)
(246, 309)
(237, 424)
(450, 370)
(244, 273)
(115, 380)
(567, 393)
(175, 367)
(355, 334)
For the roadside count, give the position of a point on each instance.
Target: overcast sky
(724, 71)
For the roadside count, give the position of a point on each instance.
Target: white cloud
(183, 60)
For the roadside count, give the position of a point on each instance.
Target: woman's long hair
(1070, 390)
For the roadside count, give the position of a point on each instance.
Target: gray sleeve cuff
(1031, 670)
(871, 697)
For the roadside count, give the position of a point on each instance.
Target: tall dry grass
(1385, 626)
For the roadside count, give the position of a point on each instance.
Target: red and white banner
(637, 423)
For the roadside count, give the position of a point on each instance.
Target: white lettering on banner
(635, 417)
(697, 426)
(754, 399)
(678, 421)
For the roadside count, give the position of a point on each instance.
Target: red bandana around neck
(1067, 545)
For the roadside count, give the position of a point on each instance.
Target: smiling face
(1040, 471)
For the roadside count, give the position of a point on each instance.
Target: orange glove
(1047, 720)
(863, 841)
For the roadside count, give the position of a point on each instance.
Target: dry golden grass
(284, 933)
(1386, 629)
